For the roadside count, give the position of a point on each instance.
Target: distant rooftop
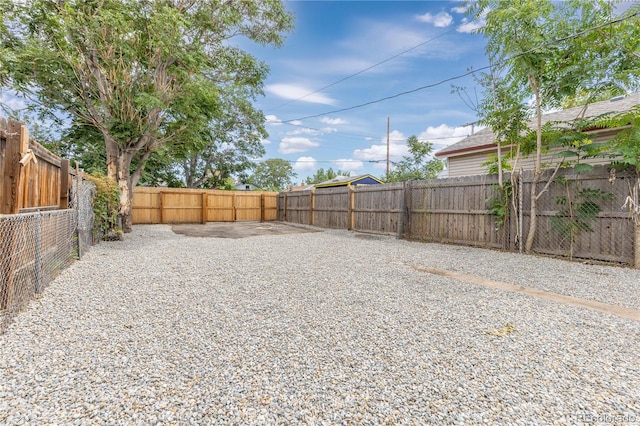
(486, 139)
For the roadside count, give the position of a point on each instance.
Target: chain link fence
(36, 247)
(583, 216)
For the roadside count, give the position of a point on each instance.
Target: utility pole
(387, 149)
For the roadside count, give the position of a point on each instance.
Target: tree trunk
(118, 165)
(537, 172)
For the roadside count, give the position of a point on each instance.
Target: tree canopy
(323, 175)
(144, 74)
(274, 174)
(418, 165)
(550, 51)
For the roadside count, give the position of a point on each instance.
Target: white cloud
(290, 91)
(468, 26)
(305, 164)
(378, 152)
(440, 20)
(296, 122)
(348, 165)
(460, 9)
(471, 26)
(265, 142)
(333, 121)
(273, 120)
(444, 134)
(296, 144)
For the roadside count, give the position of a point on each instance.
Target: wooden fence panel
(299, 207)
(184, 205)
(32, 177)
(453, 211)
(270, 206)
(221, 206)
(456, 211)
(248, 206)
(332, 208)
(377, 208)
(146, 206)
(608, 238)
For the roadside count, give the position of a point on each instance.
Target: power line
(428, 86)
(368, 68)
(371, 137)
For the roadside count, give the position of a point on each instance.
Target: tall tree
(552, 50)
(142, 72)
(418, 165)
(274, 174)
(323, 175)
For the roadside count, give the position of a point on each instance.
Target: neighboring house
(349, 181)
(301, 187)
(246, 187)
(465, 158)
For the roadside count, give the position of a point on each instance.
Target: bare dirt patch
(239, 229)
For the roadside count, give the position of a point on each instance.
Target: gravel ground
(318, 328)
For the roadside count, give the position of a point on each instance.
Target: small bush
(105, 208)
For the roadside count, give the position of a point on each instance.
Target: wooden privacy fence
(33, 178)
(178, 205)
(38, 231)
(456, 211)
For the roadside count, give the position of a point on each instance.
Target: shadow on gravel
(240, 229)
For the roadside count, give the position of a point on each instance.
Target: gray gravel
(318, 328)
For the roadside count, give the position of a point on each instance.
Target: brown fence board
(32, 177)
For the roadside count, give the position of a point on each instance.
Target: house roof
(485, 138)
(303, 187)
(345, 180)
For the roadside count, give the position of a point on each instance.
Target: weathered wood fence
(32, 177)
(456, 211)
(178, 205)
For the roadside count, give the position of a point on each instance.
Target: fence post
(285, 207)
(262, 207)
(38, 254)
(520, 213)
(352, 213)
(11, 178)
(408, 190)
(312, 205)
(205, 207)
(161, 207)
(401, 212)
(234, 207)
(64, 184)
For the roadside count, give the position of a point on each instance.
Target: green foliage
(105, 207)
(418, 165)
(625, 146)
(144, 74)
(492, 164)
(273, 175)
(577, 212)
(498, 205)
(323, 175)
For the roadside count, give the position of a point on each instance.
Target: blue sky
(312, 79)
